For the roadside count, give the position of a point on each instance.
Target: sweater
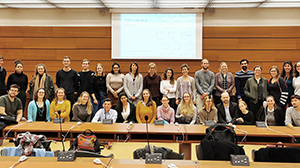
(115, 81)
(166, 113)
(191, 118)
(248, 118)
(192, 88)
(165, 84)
(279, 91)
(32, 110)
(142, 111)
(97, 85)
(80, 113)
(250, 89)
(67, 80)
(65, 108)
(84, 79)
(205, 81)
(241, 78)
(137, 89)
(20, 79)
(2, 80)
(296, 85)
(203, 115)
(152, 83)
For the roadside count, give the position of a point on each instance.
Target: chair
(91, 154)
(199, 152)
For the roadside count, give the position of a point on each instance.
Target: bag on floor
(221, 132)
(87, 141)
(277, 154)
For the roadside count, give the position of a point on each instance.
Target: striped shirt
(241, 78)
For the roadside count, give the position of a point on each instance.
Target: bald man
(227, 110)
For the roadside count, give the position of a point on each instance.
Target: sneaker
(108, 145)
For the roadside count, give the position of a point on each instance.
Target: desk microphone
(146, 118)
(59, 112)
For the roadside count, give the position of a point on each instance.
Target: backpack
(87, 141)
(221, 132)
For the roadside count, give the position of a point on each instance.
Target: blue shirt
(241, 78)
(101, 115)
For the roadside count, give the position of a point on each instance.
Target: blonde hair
(212, 102)
(152, 64)
(184, 108)
(96, 73)
(56, 98)
(88, 104)
(221, 64)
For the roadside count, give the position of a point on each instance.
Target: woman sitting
(246, 116)
(126, 110)
(271, 113)
(146, 109)
(208, 112)
(38, 109)
(165, 112)
(186, 111)
(61, 103)
(83, 108)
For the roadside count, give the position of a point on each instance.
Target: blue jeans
(98, 106)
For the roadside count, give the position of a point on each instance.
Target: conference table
(50, 162)
(183, 134)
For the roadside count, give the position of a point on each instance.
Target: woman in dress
(133, 84)
(114, 84)
(186, 111)
(61, 103)
(98, 88)
(146, 107)
(185, 83)
(126, 110)
(168, 86)
(152, 82)
(224, 83)
(271, 113)
(20, 79)
(165, 112)
(41, 80)
(246, 116)
(208, 112)
(83, 108)
(39, 107)
(287, 75)
(278, 88)
(296, 79)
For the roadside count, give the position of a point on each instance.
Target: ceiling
(163, 4)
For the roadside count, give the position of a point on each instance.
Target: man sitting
(292, 113)
(227, 111)
(106, 112)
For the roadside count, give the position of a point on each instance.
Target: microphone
(146, 118)
(59, 112)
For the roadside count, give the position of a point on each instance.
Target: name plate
(209, 123)
(260, 124)
(58, 120)
(107, 121)
(159, 122)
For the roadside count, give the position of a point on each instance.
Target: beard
(244, 68)
(205, 68)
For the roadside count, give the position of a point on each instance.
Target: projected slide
(163, 36)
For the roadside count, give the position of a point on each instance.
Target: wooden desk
(166, 133)
(50, 162)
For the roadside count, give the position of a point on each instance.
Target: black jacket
(278, 114)
(131, 117)
(233, 109)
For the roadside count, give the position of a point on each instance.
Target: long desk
(167, 133)
(50, 162)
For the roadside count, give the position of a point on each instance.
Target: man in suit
(227, 110)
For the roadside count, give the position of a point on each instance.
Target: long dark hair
(172, 80)
(112, 68)
(283, 73)
(137, 69)
(296, 72)
(120, 96)
(150, 102)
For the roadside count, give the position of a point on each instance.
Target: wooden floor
(123, 150)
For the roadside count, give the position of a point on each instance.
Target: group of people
(134, 98)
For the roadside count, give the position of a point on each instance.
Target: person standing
(205, 83)
(133, 84)
(296, 79)
(2, 77)
(168, 86)
(84, 77)
(115, 84)
(152, 82)
(67, 78)
(256, 89)
(241, 78)
(287, 75)
(20, 79)
(41, 80)
(224, 82)
(98, 88)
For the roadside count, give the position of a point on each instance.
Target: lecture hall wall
(264, 36)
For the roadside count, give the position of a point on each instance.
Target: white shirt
(101, 115)
(165, 84)
(126, 112)
(227, 113)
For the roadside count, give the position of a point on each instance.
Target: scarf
(41, 85)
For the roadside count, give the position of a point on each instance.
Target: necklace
(40, 109)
